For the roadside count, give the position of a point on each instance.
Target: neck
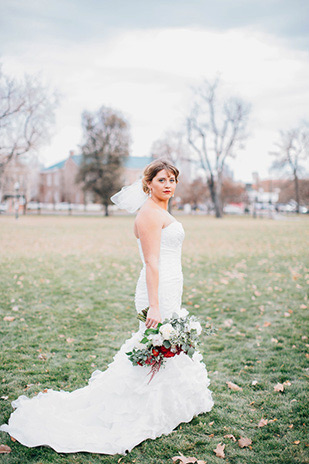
(163, 204)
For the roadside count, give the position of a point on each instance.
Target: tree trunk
(211, 185)
(215, 194)
(106, 210)
(296, 184)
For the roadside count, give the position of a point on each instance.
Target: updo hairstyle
(152, 169)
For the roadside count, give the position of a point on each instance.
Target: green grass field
(69, 284)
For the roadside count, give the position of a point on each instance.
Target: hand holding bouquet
(171, 337)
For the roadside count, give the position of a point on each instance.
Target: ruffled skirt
(117, 410)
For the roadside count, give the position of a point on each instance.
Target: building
(20, 177)
(57, 182)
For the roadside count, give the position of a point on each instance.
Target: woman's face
(163, 185)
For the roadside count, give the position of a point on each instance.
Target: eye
(172, 180)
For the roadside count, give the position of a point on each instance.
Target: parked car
(34, 205)
(63, 206)
(3, 207)
(233, 209)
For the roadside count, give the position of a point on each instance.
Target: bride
(120, 408)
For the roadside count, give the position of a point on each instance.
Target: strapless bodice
(170, 272)
(171, 243)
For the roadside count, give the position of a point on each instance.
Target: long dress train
(119, 409)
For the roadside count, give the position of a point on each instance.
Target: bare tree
(170, 147)
(194, 193)
(233, 192)
(215, 132)
(291, 154)
(26, 114)
(106, 145)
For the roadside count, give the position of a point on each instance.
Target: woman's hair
(152, 169)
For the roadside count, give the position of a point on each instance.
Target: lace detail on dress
(170, 272)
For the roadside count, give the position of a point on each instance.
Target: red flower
(167, 353)
(155, 352)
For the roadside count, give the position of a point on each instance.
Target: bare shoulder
(149, 215)
(148, 220)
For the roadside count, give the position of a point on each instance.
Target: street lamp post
(16, 204)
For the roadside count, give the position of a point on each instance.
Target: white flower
(139, 346)
(195, 325)
(167, 331)
(182, 312)
(157, 340)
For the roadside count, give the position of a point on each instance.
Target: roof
(137, 162)
(132, 162)
(60, 165)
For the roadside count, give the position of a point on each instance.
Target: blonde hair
(152, 169)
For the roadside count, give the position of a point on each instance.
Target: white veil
(130, 197)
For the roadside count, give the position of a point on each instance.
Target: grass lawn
(69, 284)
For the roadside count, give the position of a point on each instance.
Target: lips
(166, 191)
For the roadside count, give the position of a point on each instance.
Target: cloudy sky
(143, 56)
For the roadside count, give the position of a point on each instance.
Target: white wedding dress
(119, 408)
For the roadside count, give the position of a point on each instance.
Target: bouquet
(171, 337)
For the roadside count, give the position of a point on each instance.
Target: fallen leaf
(279, 387)
(243, 442)
(274, 340)
(296, 442)
(42, 356)
(257, 293)
(266, 324)
(8, 319)
(233, 386)
(228, 322)
(254, 382)
(15, 308)
(4, 397)
(70, 340)
(229, 435)
(4, 449)
(287, 382)
(262, 422)
(183, 460)
(303, 306)
(211, 423)
(220, 451)
(286, 314)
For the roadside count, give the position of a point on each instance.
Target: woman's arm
(149, 231)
